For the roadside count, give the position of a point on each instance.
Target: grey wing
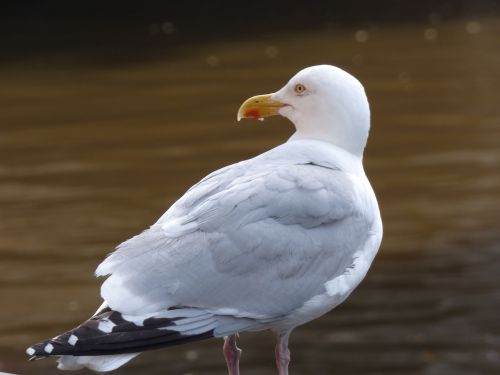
(249, 241)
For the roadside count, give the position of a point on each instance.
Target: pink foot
(282, 353)
(232, 354)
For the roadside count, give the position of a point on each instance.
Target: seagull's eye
(299, 88)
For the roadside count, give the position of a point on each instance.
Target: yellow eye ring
(299, 88)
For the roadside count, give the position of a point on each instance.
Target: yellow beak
(258, 107)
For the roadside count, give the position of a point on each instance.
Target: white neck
(347, 132)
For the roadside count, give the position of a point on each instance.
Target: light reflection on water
(89, 157)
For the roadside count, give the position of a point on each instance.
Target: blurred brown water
(90, 156)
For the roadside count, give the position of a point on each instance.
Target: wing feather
(253, 240)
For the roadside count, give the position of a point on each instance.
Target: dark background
(125, 31)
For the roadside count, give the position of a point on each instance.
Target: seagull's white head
(323, 102)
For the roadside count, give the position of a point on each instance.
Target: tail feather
(100, 363)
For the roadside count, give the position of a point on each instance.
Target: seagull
(268, 243)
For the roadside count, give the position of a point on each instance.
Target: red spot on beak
(253, 113)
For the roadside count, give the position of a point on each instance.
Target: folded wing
(251, 241)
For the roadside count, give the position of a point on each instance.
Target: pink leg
(282, 353)
(232, 354)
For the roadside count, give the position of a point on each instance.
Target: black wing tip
(167, 338)
(35, 352)
(40, 350)
(119, 336)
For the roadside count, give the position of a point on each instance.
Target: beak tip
(257, 107)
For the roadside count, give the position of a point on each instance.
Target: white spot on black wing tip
(48, 348)
(72, 340)
(30, 351)
(106, 326)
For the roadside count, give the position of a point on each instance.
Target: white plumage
(267, 243)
